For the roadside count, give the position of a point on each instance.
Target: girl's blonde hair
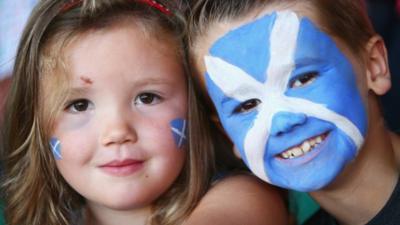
(35, 192)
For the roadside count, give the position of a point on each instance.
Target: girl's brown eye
(79, 105)
(247, 106)
(147, 99)
(304, 79)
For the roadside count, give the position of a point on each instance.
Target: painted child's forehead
(249, 46)
(250, 42)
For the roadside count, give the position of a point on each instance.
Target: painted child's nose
(284, 122)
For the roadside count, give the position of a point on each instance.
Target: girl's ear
(378, 74)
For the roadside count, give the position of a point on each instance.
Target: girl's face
(119, 140)
(288, 98)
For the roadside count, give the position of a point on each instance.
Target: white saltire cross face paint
(288, 99)
(55, 148)
(178, 128)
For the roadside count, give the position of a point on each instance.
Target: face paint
(282, 89)
(178, 128)
(56, 148)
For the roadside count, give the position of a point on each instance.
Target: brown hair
(35, 192)
(344, 19)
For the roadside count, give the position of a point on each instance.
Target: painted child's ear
(378, 74)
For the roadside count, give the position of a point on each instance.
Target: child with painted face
(295, 85)
(96, 124)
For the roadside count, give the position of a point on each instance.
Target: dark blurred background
(385, 16)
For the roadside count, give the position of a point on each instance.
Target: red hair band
(69, 5)
(152, 3)
(157, 5)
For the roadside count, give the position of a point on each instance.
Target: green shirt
(2, 222)
(302, 206)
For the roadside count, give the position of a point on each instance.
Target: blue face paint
(282, 89)
(178, 128)
(55, 146)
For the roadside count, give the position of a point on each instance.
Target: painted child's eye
(304, 79)
(247, 106)
(147, 99)
(77, 106)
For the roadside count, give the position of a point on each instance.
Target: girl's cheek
(70, 122)
(75, 147)
(70, 133)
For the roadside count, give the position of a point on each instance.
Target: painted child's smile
(303, 148)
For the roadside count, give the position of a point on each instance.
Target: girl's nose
(284, 122)
(117, 130)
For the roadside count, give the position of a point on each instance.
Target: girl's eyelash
(148, 98)
(70, 104)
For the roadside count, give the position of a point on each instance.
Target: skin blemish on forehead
(86, 80)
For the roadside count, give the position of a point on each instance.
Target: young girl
(294, 84)
(95, 128)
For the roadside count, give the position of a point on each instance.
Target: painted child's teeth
(285, 155)
(303, 148)
(296, 152)
(306, 146)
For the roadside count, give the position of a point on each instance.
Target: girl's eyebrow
(151, 81)
(86, 84)
(78, 91)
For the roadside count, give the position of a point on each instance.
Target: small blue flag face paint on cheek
(178, 128)
(55, 146)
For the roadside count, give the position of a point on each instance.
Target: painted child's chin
(313, 187)
(305, 185)
(318, 181)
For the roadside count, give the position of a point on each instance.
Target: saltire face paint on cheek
(55, 146)
(282, 89)
(179, 130)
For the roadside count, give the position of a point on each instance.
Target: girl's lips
(122, 168)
